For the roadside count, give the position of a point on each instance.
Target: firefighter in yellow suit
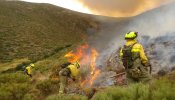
(71, 70)
(134, 60)
(28, 69)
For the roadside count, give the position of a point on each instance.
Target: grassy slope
(33, 30)
(36, 31)
(158, 89)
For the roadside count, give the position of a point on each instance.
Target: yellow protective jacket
(29, 69)
(74, 70)
(136, 48)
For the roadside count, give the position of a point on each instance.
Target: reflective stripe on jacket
(136, 48)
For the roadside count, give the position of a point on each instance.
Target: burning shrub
(87, 57)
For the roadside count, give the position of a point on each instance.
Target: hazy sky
(115, 8)
(70, 4)
(122, 8)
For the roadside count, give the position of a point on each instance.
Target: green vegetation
(42, 34)
(13, 86)
(158, 90)
(16, 64)
(37, 31)
(18, 86)
(67, 97)
(48, 87)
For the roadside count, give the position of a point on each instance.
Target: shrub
(43, 66)
(13, 86)
(158, 90)
(133, 92)
(48, 87)
(13, 78)
(30, 97)
(13, 91)
(34, 94)
(163, 90)
(66, 97)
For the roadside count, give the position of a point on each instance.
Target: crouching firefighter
(134, 60)
(69, 70)
(28, 70)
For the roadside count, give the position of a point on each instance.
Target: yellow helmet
(131, 35)
(32, 65)
(77, 64)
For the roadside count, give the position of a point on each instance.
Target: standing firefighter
(69, 70)
(134, 60)
(28, 69)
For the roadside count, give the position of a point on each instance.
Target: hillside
(43, 33)
(36, 31)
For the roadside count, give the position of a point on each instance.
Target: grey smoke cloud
(156, 33)
(154, 27)
(122, 8)
(155, 23)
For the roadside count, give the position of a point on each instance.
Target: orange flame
(96, 73)
(93, 62)
(73, 57)
(86, 58)
(93, 72)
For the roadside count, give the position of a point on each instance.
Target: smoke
(155, 23)
(155, 27)
(121, 8)
(160, 50)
